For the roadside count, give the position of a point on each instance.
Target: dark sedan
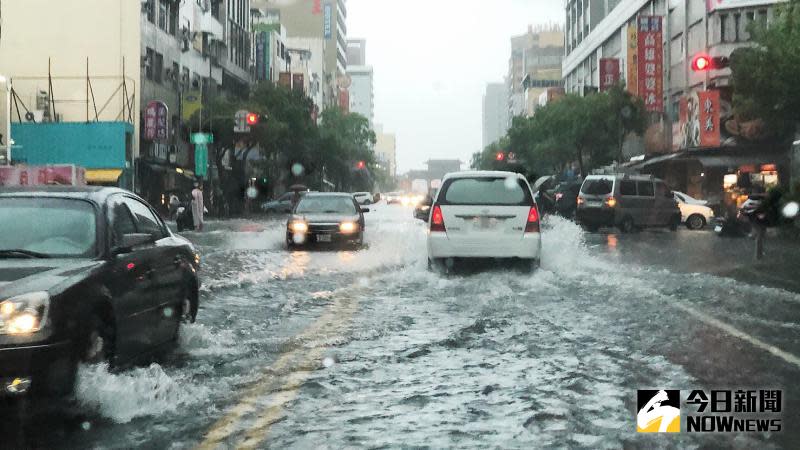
(326, 218)
(86, 274)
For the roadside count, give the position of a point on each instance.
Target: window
(663, 191)
(57, 227)
(162, 14)
(146, 222)
(150, 9)
(627, 188)
(327, 204)
(121, 220)
(645, 188)
(185, 77)
(762, 17)
(486, 191)
(173, 20)
(148, 64)
(737, 23)
(158, 67)
(597, 186)
(723, 22)
(176, 71)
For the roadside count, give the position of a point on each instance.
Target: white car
(694, 213)
(483, 214)
(363, 198)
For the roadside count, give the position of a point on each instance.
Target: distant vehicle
(627, 202)
(565, 197)
(694, 213)
(326, 218)
(281, 205)
(483, 214)
(86, 274)
(419, 186)
(393, 197)
(363, 198)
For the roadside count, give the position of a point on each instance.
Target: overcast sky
(432, 60)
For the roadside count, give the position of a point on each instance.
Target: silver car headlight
(24, 314)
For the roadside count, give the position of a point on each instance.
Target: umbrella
(298, 187)
(537, 186)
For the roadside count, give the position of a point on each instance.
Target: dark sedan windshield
(326, 205)
(51, 227)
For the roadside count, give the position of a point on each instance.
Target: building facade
(694, 140)
(356, 52)
(386, 150)
(362, 91)
(495, 113)
(534, 65)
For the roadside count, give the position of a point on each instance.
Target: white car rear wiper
(18, 252)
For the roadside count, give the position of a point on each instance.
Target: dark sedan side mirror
(364, 210)
(422, 212)
(131, 241)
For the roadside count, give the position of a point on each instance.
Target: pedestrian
(174, 204)
(197, 206)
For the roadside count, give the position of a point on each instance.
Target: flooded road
(333, 349)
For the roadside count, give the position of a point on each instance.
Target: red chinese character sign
(708, 105)
(650, 58)
(609, 73)
(156, 121)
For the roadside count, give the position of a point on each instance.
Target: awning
(651, 161)
(103, 176)
(735, 161)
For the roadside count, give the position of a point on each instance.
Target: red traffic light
(500, 156)
(701, 62)
(361, 164)
(252, 118)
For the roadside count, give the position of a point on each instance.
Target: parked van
(626, 201)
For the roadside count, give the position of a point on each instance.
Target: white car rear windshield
(597, 186)
(486, 191)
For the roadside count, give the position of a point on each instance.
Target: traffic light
(361, 165)
(702, 62)
(500, 156)
(252, 118)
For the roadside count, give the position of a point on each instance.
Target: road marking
(282, 380)
(786, 356)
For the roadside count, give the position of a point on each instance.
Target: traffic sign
(202, 138)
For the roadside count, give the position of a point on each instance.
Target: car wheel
(627, 225)
(530, 265)
(695, 222)
(97, 342)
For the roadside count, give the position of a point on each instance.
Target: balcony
(207, 23)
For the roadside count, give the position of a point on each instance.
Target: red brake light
(437, 219)
(533, 221)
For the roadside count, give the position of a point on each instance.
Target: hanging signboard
(650, 60)
(609, 73)
(708, 115)
(633, 67)
(156, 121)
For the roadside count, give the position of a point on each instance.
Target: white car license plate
(594, 204)
(323, 238)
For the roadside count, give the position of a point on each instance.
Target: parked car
(393, 197)
(694, 213)
(87, 274)
(483, 214)
(282, 204)
(326, 218)
(363, 198)
(565, 197)
(626, 201)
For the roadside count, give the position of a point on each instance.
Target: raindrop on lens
(297, 169)
(790, 210)
(328, 361)
(510, 183)
(168, 312)
(252, 192)
(86, 426)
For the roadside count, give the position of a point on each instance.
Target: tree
(346, 139)
(765, 75)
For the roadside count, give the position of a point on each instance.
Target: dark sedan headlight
(24, 314)
(298, 226)
(348, 227)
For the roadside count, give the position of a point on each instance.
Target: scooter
(742, 224)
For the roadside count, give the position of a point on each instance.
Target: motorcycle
(740, 225)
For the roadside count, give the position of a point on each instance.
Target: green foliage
(765, 75)
(583, 130)
(346, 139)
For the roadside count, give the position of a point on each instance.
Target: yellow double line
(263, 402)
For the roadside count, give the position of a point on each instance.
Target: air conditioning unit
(145, 61)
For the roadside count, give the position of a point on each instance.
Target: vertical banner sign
(633, 67)
(316, 8)
(709, 118)
(328, 21)
(262, 58)
(650, 59)
(609, 73)
(191, 102)
(156, 121)
(201, 160)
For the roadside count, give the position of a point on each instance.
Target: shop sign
(708, 117)
(650, 58)
(156, 121)
(633, 66)
(609, 73)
